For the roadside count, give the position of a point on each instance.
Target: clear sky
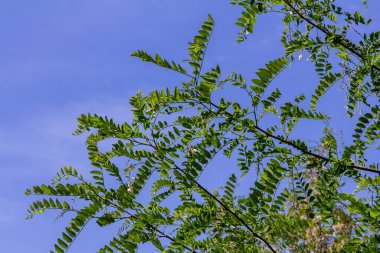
(61, 58)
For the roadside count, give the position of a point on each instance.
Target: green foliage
(323, 33)
(159, 61)
(296, 200)
(265, 76)
(197, 48)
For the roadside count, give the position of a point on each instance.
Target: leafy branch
(303, 150)
(257, 236)
(341, 41)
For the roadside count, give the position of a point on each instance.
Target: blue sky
(61, 58)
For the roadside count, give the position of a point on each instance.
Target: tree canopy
(297, 200)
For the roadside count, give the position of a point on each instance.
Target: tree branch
(311, 153)
(353, 166)
(135, 216)
(173, 240)
(257, 236)
(343, 42)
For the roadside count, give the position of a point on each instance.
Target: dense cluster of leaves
(296, 201)
(328, 33)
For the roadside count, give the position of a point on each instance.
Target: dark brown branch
(311, 153)
(353, 166)
(257, 236)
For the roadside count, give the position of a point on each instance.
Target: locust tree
(295, 203)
